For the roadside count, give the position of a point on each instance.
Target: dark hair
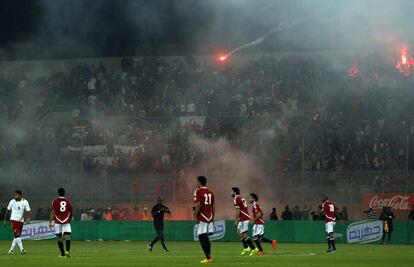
(18, 192)
(236, 190)
(202, 180)
(254, 196)
(61, 192)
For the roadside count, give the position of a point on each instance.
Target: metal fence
(101, 189)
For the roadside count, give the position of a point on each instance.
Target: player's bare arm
(51, 217)
(196, 211)
(29, 217)
(258, 216)
(5, 217)
(236, 220)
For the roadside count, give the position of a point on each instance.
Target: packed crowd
(305, 214)
(302, 112)
(144, 214)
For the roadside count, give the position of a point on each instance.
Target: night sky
(33, 29)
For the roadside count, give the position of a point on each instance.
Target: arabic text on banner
(37, 230)
(364, 231)
(219, 230)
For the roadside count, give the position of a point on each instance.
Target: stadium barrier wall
(283, 231)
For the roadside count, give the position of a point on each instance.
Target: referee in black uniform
(157, 213)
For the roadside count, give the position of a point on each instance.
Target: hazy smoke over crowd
(53, 29)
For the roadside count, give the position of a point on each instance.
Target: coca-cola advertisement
(397, 202)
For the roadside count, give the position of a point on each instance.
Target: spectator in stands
(315, 216)
(107, 216)
(371, 214)
(286, 214)
(321, 214)
(146, 215)
(97, 215)
(87, 215)
(411, 215)
(41, 214)
(297, 214)
(2, 213)
(136, 214)
(344, 214)
(306, 212)
(273, 215)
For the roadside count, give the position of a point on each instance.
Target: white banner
(37, 230)
(219, 230)
(364, 231)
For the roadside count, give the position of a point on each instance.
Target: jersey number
(244, 203)
(331, 208)
(207, 199)
(62, 206)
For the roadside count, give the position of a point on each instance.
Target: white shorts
(205, 228)
(258, 230)
(329, 227)
(62, 228)
(243, 227)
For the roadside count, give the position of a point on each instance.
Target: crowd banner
(364, 231)
(192, 120)
(37, 230)
(219, 230)
(283, 231)
(397, 202)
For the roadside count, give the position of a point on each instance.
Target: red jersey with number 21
(329, 209)
(63, 210)
(240, 203)
(205, 197)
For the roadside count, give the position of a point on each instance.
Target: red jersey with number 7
(256, 208)
(329, 209)
(63, 210)
(205, 197)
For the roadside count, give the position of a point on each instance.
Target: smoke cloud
(102, 28)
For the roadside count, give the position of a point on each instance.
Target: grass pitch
(121, 253)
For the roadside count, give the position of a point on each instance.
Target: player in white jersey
(17, 206)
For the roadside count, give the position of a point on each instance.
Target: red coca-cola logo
(396, 202)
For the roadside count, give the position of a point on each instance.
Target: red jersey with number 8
(63, 210)
(329, 209)
(205, 197)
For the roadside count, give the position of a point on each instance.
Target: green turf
(44, 253)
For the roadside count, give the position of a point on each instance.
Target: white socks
(14, 243)
(20, 244)
(17, 241)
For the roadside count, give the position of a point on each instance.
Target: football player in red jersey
(258, 227)
(330, 210)
(242, 221)
(61, 213)
(204, 216)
